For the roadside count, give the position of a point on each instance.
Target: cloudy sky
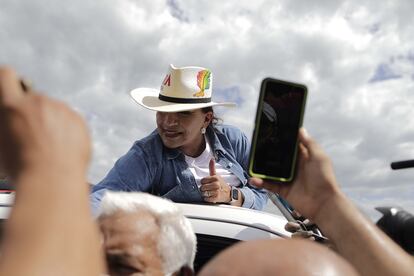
(356, 57)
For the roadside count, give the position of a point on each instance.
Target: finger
(296, 214)
(212, 167)
(210, 187)
(25, 85)
(208, 179)
(296, 236)
(303, 156)
(302, 234)
(303, 152)
(307, 222)
(256, 182)
(311, 146)
(292, 227)
(210, 199)
(209, 194)
(263, 184)
(10, 87)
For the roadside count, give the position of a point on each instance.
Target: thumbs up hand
(213, 187)
(212, 167)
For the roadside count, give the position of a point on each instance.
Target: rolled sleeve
(253, 198)
(130, 173)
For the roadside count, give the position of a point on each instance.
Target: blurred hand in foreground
(314, 183)
(39, 132)
(45, 149)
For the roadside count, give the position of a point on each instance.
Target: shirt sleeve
(254, 198)
(130, 173)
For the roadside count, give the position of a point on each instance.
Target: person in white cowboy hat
(188, 158)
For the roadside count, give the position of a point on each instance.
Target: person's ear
(208, 118)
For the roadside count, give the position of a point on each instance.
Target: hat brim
(148, 98)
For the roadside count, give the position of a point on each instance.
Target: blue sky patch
(374, 28)
(176, 11)
(228, 94)
(383, 73)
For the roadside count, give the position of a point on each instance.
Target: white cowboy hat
(184, 88)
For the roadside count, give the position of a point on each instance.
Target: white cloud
(91, 53)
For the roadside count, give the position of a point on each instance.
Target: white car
(216, 226)
(6, 201)
(220, 226)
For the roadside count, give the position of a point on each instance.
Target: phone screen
(278, 119)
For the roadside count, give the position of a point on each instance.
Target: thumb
(310, 145)
(212, 167)
(10, 88)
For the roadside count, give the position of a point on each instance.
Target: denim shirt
(151, 167)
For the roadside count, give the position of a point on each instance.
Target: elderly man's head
(278, 257)
(145, 235)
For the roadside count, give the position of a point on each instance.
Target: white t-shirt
(199, 167)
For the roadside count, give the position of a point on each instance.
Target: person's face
(130, 244)
(183, 129)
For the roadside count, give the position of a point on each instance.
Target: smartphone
(279, 116)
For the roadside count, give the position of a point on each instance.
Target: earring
(203, 130)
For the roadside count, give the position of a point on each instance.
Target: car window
(208, 246)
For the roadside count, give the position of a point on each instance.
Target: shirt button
(229, 165)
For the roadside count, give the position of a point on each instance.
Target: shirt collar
(214, 141)
(172, 153)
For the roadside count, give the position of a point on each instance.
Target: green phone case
(257, 126)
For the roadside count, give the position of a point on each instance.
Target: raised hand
(45, 148)
(213, 187)
(315, 181)
(39, 132)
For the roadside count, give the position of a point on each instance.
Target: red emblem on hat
(167, 80)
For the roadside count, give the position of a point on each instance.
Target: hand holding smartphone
(311, 230)
(279, 116)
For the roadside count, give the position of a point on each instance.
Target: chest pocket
(229, 162)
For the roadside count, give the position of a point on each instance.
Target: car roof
(234, 222)
(219, 220)
(6, 201)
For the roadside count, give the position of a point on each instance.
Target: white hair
(177, 243)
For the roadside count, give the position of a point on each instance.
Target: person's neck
(195, 149)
